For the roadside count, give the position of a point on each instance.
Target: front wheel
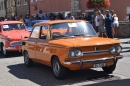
(59, 71)
(109, 69)
(27, 61)
(4, 51)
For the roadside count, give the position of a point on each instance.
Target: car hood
(16, 34)
(85, 41)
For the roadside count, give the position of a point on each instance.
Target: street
(13, 72)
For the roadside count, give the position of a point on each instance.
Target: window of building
(18, 2)
(25, 2)
(34, 0)
(128, 10)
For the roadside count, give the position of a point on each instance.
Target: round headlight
(112, 49)
(71, 53)
(78, 53)
(8, 39)
(118, 49)
(75, 53)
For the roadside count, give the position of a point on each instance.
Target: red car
(11, 34)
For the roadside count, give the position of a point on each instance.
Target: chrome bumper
(81, 62)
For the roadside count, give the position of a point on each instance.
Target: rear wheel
(109, 69)
(27, 61)
(59, 71)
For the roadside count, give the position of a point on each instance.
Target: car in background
(11, 34)
(30, 24)
(70, 45)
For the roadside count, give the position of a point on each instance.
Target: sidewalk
(124, 40)
(125, 43)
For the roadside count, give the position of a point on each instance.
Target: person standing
(100, 20)
(88, 18)
(21, 18)
(96, 22)
(116, 25)
(108, 24)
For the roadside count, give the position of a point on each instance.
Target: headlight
(112, 50)
(115, 49)
(118, 49)
(75, 53)
(8, 39)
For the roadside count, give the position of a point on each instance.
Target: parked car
(70, 45)
(30, 25)
(11, 34)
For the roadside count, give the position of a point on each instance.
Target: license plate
(99, 65)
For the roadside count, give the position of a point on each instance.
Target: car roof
(57, 21)
(10, 22)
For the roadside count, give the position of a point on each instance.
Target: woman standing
(116, 25)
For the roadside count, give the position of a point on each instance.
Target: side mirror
(26, 37)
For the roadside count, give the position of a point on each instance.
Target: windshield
(7, 27)
(63, 30)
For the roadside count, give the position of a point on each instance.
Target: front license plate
(99, 65)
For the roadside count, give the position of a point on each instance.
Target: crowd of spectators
(106, 23)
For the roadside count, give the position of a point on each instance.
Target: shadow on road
(42, 75)
(124, 82)
(11, 55)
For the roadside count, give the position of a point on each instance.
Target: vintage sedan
(11, 34)
(70, 45)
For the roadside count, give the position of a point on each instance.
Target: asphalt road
(14, 73)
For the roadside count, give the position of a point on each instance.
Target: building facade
(49, 6)
(121, 7)
(22, 7)
(10, 8)
(2, 8)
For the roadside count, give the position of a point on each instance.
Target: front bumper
(101, 60)
(13, 48)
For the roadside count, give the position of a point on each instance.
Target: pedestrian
(108, 24)
(72, 18)
(96, 22)
(127, 17)
(116, 25)
(83, 16)
(100, 20)
(88, 18)
(21, 19)
(68, 16)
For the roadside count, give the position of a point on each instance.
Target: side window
(44, 32)
(35, 32)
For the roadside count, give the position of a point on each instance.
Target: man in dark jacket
(108, 24)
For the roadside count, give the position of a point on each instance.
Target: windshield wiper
(79, 35)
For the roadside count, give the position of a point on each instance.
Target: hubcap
(4, 50)
(26, 58)
(56, 68)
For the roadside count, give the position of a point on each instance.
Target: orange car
(11, 34)
(70, 45)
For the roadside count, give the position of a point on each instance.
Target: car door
(42, 51)
(34, 37)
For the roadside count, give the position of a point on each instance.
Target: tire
(27, 61)
(59, 71)
(4, 51)
(109, 69)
